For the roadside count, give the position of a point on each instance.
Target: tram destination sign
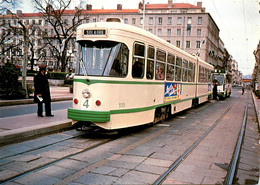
(94, 32)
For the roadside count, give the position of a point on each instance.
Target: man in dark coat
(42, 92)
(215, 90)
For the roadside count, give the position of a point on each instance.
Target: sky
(238, 21)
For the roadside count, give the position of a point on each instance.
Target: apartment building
(186, 26)
(256, 72)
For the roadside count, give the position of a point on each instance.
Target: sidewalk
(257, 108)
(17, 128)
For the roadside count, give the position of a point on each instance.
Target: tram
(126, 76)
(224, 83)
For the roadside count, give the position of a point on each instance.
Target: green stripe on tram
(104, 116)
(90, 82)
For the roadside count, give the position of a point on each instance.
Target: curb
(12, 136)
(257, 111)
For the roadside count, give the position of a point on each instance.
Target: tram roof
(134, 29)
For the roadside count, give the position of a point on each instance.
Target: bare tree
(26, 31)
(62, 23)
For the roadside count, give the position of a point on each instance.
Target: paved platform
(17, 128)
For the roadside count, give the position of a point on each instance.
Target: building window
(160, 20)
(141, 21)
(87, 20)
(133, 20)
(179, 20)
(45, 32)
(197, 44)
(198, 32)
(178, 43)
(178, 32)
(39, 42)
(169, 20)
(151, 30)
(187, 44)
(189, 20)
(159, 32)
(27, 22)
(126, 21)
(188, 32)
(94, 20)
(169, 32)
(150, 20)
(39, 32)
(199, 20)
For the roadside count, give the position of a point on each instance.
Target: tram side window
(170, 67)
(160, 65)
(194, 72)
(210, 76)
(178, 69)
(190, 72)
(201, 74)
(206, 75)
(150, 63)
(185, 71)
(138, 60)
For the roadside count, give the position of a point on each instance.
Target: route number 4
(86, 104)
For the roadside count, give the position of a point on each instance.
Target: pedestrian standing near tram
(215, 90)
(243, 89)
(42, 92)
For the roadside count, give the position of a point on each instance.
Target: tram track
(232, 167)
(40, 167)
(235, 159)
(117, 154)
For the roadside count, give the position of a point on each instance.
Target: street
(138, 155)
(8, 111)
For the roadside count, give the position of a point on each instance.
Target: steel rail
(43, 146)
(183, 156)
(56, 161)
(233, 165)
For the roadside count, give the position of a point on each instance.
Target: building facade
(186, 26)
(256, 72)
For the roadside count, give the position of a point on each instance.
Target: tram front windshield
(102, 58)
(218, 78)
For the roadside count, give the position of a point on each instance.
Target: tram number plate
(94, 32)
(121, 105)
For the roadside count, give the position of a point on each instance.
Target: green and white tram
(126, 76)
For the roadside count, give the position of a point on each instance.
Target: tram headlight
(86, 93)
